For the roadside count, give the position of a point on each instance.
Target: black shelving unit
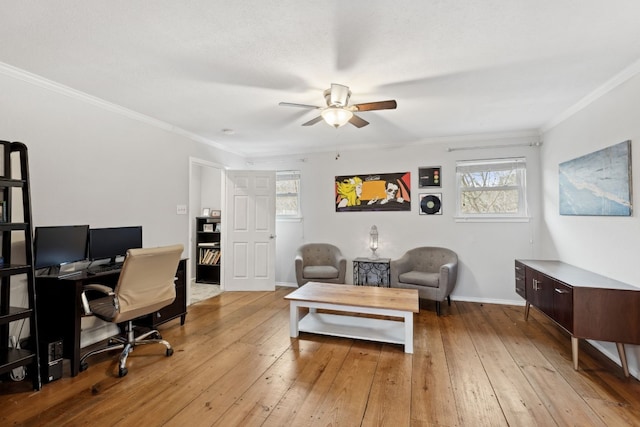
(208, 249)
(17, 236)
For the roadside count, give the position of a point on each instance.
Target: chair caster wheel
(169, 352)
(84, 366)
(122, 372)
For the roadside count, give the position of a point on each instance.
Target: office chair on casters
(146, 284)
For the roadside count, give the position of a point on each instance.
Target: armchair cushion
(419, 278)
(320, 272)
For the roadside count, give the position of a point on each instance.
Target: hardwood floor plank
(476, 401)
(599, 381)
(615, 414)
(565, 405)
(299, 403)
(432, 398)
(389, 400)
(519, 402)
(184, 364)
(347, 397)
(211, 403)
(235, 364)
(259, 401)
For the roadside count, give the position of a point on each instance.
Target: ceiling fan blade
(339, 94)
(313, 121)
(358, 121)
(291, 104)
(380, 105)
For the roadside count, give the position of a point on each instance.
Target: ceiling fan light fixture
(336, 117)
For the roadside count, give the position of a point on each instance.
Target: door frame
(195, 163)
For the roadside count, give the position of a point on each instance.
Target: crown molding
(620, 78)
(52, 86)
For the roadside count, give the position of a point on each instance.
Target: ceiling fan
(338, 111)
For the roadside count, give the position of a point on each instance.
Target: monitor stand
(59, 271)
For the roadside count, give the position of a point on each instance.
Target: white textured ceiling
(455, 67)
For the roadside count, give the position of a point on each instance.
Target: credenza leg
(526, 311)
(574, 352)
(623, 358)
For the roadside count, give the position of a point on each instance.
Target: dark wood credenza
(585, 304)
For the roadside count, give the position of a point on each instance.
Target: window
(288, 194)
(491, 188)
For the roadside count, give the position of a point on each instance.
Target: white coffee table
(388, 302)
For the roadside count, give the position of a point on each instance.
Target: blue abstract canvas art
(598, 183)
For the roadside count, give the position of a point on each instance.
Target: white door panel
(250, 231)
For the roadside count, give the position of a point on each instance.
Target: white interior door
(249, 231)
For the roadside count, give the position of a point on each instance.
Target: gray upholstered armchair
(432, 271)
(320, 262)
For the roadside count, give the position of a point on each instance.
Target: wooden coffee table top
(358, 296)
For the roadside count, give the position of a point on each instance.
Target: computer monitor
(113, 242)
(58, 245)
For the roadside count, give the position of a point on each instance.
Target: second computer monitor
(113, 242)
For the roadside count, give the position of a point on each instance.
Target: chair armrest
(93, 287)
(448, 276)
(100, 288)
(299, 265)
(399, 266)
(339, 260)
(341, 265)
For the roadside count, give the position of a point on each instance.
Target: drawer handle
(562, 291)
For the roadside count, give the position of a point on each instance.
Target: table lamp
(373, 241)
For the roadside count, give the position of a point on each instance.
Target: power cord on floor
(19, 373)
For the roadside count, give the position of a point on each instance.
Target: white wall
(605, 245)
(90, 164)
(211, 188)
(486, 250)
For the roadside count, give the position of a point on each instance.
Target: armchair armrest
(93, 287)
(448, 276)
(299, 266)
(341, 265)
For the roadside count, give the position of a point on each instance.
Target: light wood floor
(235, 365)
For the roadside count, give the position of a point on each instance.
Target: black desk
(60, 308)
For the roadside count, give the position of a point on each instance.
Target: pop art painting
(373, 192)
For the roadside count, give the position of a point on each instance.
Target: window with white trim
(493, 188)
(288, 194)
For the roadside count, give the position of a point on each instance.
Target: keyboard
(105, 268)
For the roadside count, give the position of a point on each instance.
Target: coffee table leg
(408, 332)
(294, 318)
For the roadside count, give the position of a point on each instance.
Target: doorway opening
(206, 191)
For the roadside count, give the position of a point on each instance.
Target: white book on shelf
(209, 245)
